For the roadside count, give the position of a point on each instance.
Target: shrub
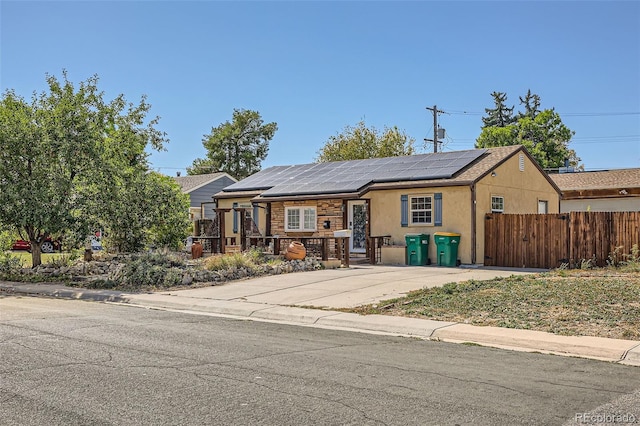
(155, 269)
(9, 264)
(64, 259)
(161, 257)
(228, 261)
(632, 262)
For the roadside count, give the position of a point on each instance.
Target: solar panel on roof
(350, 176)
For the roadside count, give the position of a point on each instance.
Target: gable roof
(603, 179)
(190, 183)
(355, 177)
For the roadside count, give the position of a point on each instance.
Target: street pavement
(314, 298)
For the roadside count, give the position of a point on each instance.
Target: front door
(358, 225)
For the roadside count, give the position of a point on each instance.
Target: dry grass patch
(603, 302)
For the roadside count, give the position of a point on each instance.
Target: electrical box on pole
(438, 133)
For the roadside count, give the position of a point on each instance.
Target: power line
(596, 114)
(564, 114)
(610, 137)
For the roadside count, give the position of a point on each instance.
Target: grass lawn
(598, 302)
(25, 257)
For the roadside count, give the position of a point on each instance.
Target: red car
(47, 246)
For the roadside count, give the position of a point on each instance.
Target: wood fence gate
(550, 240)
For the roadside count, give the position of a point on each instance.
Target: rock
(187, 279)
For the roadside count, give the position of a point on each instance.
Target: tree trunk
(36, 254)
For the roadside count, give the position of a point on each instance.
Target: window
(497, 204)
(300, 219)
(432, 215)
(421, 210)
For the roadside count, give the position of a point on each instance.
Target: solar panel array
(351, 176)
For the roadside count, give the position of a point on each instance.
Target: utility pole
(435, 111)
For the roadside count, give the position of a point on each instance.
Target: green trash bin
(417, 249)
(447, 248)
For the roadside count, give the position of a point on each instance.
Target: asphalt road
(67, 362)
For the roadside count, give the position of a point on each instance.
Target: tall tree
(531, 104)
(500, 115)
(237, 147)
(61, 154)
(360, 142)
(545, 137)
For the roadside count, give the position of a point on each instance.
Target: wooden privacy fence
(550, 240)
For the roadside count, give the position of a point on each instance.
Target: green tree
(170, 221)
(545, 137)
(61, 154)
(500, 115)
(151, 209)
(360, 142)
(237, 147)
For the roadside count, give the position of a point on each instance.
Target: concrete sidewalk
(280, 298)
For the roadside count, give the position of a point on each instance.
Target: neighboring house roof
(192, 182)
(604, 179)
(356, 177)
(604, 183)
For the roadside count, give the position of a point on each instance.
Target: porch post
(346, 251)
(222, 231)
(267, 229)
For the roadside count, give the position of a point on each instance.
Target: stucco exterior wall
(456, 217)
(601, 205)
(521, 189)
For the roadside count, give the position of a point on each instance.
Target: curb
(613, 350)
(62, 291)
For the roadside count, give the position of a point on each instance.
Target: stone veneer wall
(328, 209)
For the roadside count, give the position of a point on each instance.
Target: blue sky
(316, 67)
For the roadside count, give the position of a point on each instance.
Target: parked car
(48, 245)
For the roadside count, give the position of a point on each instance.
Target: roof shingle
(604, 179)
(191, 182)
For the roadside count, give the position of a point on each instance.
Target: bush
(64, 259)
(229, 261)
(157, 270)
(632, 260)
(9, 264)
(7, 239)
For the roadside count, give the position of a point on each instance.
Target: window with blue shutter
(235, 219)
(437, 207)
(404, 210)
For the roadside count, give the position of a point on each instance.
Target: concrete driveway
(340, 288)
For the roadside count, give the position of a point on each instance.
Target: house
(598, 191)
(394, 197)
(201, 189)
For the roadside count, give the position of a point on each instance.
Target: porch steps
(358, 260)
